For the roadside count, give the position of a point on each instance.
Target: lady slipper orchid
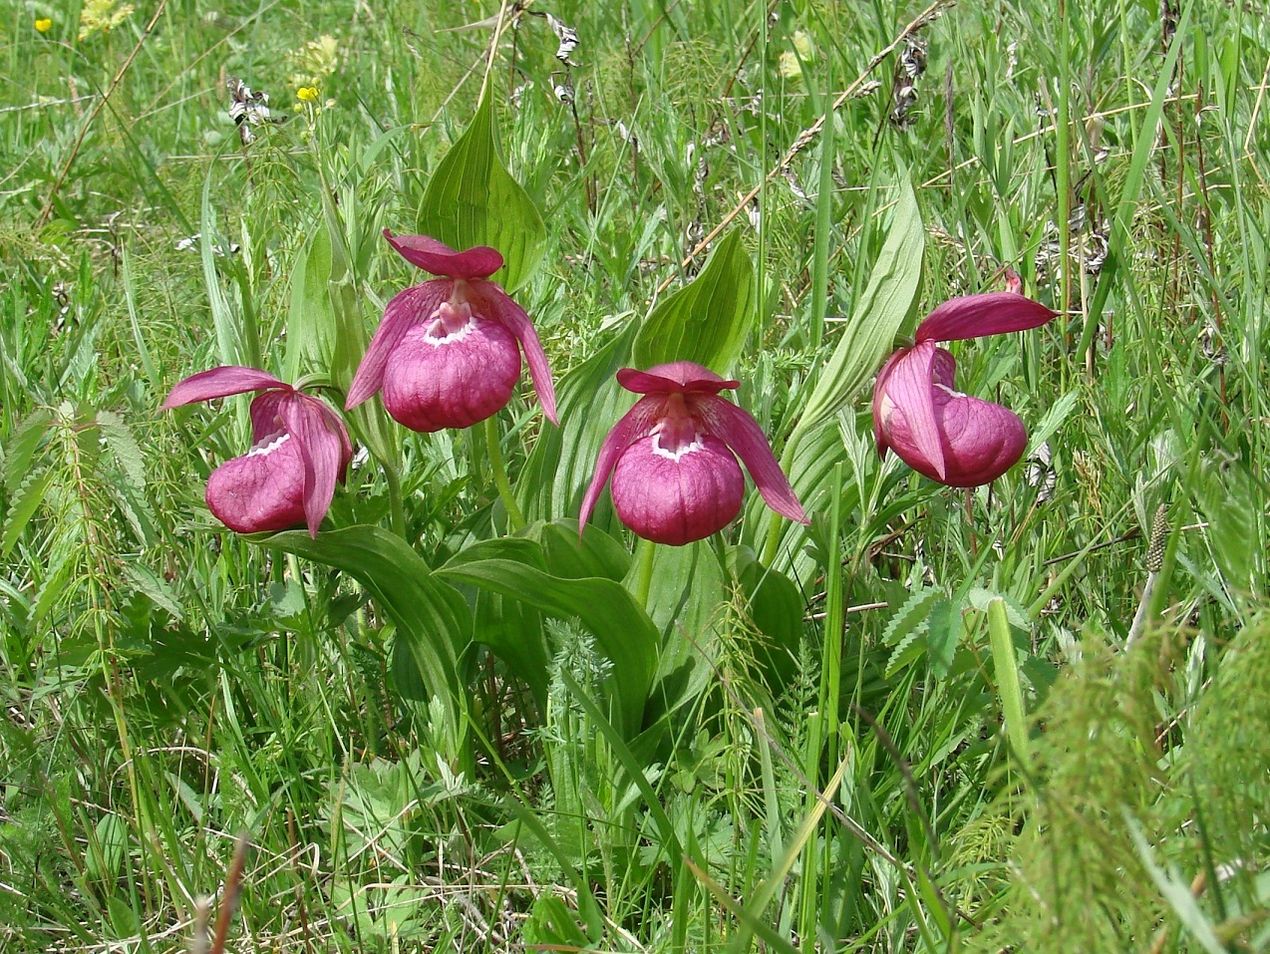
(675, 476)
(956, 439)
(299, 450)
(446, 353)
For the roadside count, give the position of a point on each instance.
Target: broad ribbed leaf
(622, 630)
(868, 336)
(433, 623)
(563, 459)
(311, 320)
(471, 199)
(706, 321)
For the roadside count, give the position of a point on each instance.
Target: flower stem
(645, 553)
(515, 519)
(394, 500)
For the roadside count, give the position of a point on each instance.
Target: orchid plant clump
(447, 353)
(954, 438)
(671, 458)
(299, 451)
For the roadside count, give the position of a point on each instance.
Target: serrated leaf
(146, 581)
(23, 507)
(706, 321)
(20, 451)
(909, 616)
(943, 632)
(124, 447)
(471, 199)
(869, 335)
(907, 651)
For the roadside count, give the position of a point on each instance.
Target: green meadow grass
(1033, 717)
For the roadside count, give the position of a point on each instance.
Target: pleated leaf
(709, 319)
(868, 336)
(471, 199)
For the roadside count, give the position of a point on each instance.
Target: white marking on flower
(691, 447)
(949, 391)
(264, 450)
(438, 341)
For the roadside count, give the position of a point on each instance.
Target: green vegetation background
(166, 685)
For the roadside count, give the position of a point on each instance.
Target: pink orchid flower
(675, 476)
(299, 450)
(956, 439)
(446, 353)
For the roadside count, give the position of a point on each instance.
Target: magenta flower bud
(447, 353)
(673, 456)
(299, 451)
(954, 438)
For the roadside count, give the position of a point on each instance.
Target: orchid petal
(909, 388)
(321, 450)
(974, 316)
(736, 428)
(220, 382)
(879, 392)
(636, 423)
(675, 378)
(480, 261)
(411, 306)
(265, 410)
(981, 440)
(513, 317)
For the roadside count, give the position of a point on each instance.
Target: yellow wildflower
(314, 61)
(307, 94)
(44, 24)
(101, 16)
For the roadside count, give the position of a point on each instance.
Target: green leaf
(709, 319)
(909, 616)
(20, 451)
(229, 345)
(1006, 668)
(1053, 420)
(560, 466)
(776, 608)
(106, 848)
(1176, 890)
(624, 633)
(433, 623)
(472, 200)
(311, 320)
(869, 335)
(23, 507)
(943, 631)
(124, 447)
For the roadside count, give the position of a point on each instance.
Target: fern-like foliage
(1145, 824)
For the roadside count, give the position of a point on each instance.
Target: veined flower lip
(317, 431)
(680, 388)
(464, 277)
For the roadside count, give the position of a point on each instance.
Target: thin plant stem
(515, 518)
(397, 510)
(645, 553)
